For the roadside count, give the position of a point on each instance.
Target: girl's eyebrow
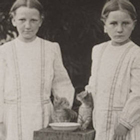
(113, 21)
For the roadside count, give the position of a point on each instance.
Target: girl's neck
(26, 40)
(120, 44)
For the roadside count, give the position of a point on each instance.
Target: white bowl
(65, 126)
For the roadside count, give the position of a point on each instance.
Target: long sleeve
(2, 69)
(61, 85)
(97, 51)
(131, 112)
(92, 80)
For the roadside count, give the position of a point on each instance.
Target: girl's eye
(125, 23)
(22, 19)
(113, 23)
(34, 20)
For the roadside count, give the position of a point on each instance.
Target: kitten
(85, 110)
(62, 111)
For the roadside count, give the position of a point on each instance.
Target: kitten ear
(84, 94)
(78, 96)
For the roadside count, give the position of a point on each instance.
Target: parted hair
(115, 5)
(27, 3)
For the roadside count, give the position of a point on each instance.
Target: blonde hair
(115, 5)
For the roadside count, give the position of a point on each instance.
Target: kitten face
(62, 111)
(85, 98)
(60, 103)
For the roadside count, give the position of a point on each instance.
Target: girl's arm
(131, 112)
(90, 88)
(61, 85)
(2, 69)
(96, 57)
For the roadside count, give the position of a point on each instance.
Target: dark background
(76, 26)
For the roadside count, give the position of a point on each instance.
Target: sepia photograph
(69, 70)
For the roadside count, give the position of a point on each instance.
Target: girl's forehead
(119, 14)
(26, 10)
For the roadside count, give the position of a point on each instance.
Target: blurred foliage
(7, 31)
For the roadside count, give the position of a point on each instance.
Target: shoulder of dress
(51, 47)
(6, 45)
(135, 48)
(49, 43)
(134, 53)
(100, 46)
(97, 49)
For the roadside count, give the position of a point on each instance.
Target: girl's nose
(27, 24)
(120, 28)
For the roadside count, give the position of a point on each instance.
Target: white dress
(29, 73)
(115, 86)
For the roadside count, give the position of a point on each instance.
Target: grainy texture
(50, 134)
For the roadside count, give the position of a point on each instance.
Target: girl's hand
(120, 132)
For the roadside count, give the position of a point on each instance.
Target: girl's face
(119, 26)
(27, 21)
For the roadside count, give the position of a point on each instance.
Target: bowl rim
(64, 124)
